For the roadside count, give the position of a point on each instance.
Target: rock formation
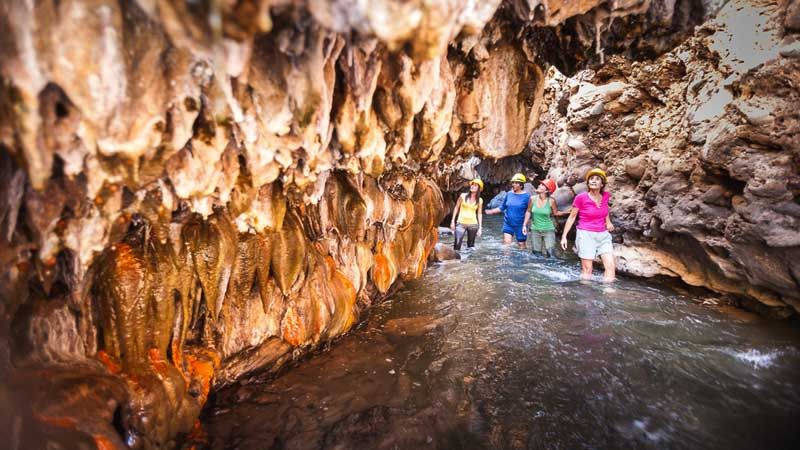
(702, 145)
(196, 190)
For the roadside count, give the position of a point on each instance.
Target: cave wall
(702, 146)
(196, 190)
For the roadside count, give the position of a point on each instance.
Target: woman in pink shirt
(593, 237)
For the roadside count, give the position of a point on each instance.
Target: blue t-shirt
(514, 207)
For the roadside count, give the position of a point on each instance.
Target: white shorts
(591, 244)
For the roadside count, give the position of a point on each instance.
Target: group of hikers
(520, 208)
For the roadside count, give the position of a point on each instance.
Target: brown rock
(563, 197)
(443, 252)
(635, 167)
(716, 203)
(792, 18)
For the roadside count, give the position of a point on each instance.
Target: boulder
(635, 167)
(442, 252)
(563, 197)
(590, 101)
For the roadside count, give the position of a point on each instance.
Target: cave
(208, 205)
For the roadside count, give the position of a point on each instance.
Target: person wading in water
(543, 212)
(516, 208)
(468, 215)
(594, 228)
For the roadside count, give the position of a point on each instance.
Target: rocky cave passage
(195, 190)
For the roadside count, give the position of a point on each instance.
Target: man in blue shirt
(517, 212)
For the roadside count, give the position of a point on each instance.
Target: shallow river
(505, 350)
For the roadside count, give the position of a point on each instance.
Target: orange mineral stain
(177, 355)
(203, 369)
(292, 328)
(108, 361)
(345, 297)
(197, 437)
(384, 271)
(127, 265)
(408, 220)
(61, 422)
(103, 443)
(159, 364)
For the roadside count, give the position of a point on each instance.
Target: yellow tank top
(468, 213)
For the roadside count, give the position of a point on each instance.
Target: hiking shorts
(515, 231)
(592, 244)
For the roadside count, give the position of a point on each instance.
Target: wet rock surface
(443, 252)
(701, 146)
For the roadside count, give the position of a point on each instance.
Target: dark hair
(477, 195)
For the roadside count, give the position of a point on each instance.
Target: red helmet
(549, 184)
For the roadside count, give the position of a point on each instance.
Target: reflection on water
(504, 350)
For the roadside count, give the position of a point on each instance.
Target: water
(504, 350)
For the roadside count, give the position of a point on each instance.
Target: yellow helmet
(599, 172)
(479, 182)
(518, 178)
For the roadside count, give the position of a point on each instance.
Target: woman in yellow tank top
(468, 215)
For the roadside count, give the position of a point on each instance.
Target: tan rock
(635, 167)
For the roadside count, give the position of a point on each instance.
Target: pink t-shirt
(590, 217)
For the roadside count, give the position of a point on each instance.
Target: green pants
(544, 242)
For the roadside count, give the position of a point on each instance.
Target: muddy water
(504, 350)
